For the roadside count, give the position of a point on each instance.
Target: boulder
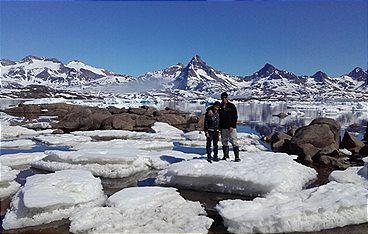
(119, 122)
(351, 143)
(279, 142)
(320, 137)
(98, 116)
(114, 110)
(336, 163)
(80, 120)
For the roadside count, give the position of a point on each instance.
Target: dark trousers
(213, 137)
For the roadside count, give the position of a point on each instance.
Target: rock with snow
(256, 174)
(7, 184)
(354, 175)
(50, 197)
(328, 206)
(143, 210)
(14, 160)
(18, 143)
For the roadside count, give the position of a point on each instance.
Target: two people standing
(221, 118)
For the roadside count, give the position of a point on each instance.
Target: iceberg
(143, 210)
(328, 206)
(256, 174)
(49, 197)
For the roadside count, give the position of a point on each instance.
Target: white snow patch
(62, 139)
(7, 131)
(51, 197)
(256, 174)
(328, 206)
(143, 210)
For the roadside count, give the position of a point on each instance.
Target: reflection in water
(260, 116)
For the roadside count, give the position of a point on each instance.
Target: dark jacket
(211, 123)
(228, 115)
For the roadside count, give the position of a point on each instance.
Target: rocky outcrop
(319, 144)
(74, 117)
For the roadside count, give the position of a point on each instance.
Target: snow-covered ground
(354, 175)
(256, 174)
(143, 210)
(49, 197)
(328, 206)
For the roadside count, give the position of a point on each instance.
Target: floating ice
(62, 139)
(256, 174)
(167, 129)
(328, 206)
(38, 125)
(143, 210)
(124, 145)
(50, 197)
(111, 162)
(7, 184)
(7, 131)
(20, 158)
(354, 175)
(18, 143)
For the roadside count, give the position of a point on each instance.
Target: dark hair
(224, 94)
(217, 103)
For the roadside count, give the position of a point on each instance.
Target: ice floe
(328, 206)
(62, 139)
(143, 210)
(17, 143)
(124, 145)
(7, 184)
(256, 174)
(50, 197)
(13, 160)
(38, 125)
(354, 175)
(9, 132)
(111, 162)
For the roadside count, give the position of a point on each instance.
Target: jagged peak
(197, 60)
(31, 58)
(320, 76)
(7, 62)
(266, 70)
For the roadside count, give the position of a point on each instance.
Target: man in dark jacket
(228, 120)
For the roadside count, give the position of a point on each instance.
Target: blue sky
(237, 37)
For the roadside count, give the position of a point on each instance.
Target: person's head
(224, 97)
(216, 105)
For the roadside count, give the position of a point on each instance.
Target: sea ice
(50, 197)
(18, 143)
(62, 139)
(143, 210)
(328, 206)
(110, 162)
(354, 175)
(18, 159)
(9, 132)
(7, 184)
(256, 174)
(124, 144)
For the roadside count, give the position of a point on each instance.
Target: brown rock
(280, 141)
(351, 143)
(338, 163)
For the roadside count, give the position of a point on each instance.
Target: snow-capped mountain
(198, 76)
(34, 70)
(196, 79)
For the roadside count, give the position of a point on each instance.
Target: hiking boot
(216, 159)
(236, 154)
(225, 150)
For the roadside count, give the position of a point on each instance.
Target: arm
(234, 116)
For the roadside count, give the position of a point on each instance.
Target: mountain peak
(320, 76)
(267, 70)
(197, 60)
(358, 74)
(7, 62)
(30, 58)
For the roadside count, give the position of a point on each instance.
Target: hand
(207, 134)
(231, 129)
